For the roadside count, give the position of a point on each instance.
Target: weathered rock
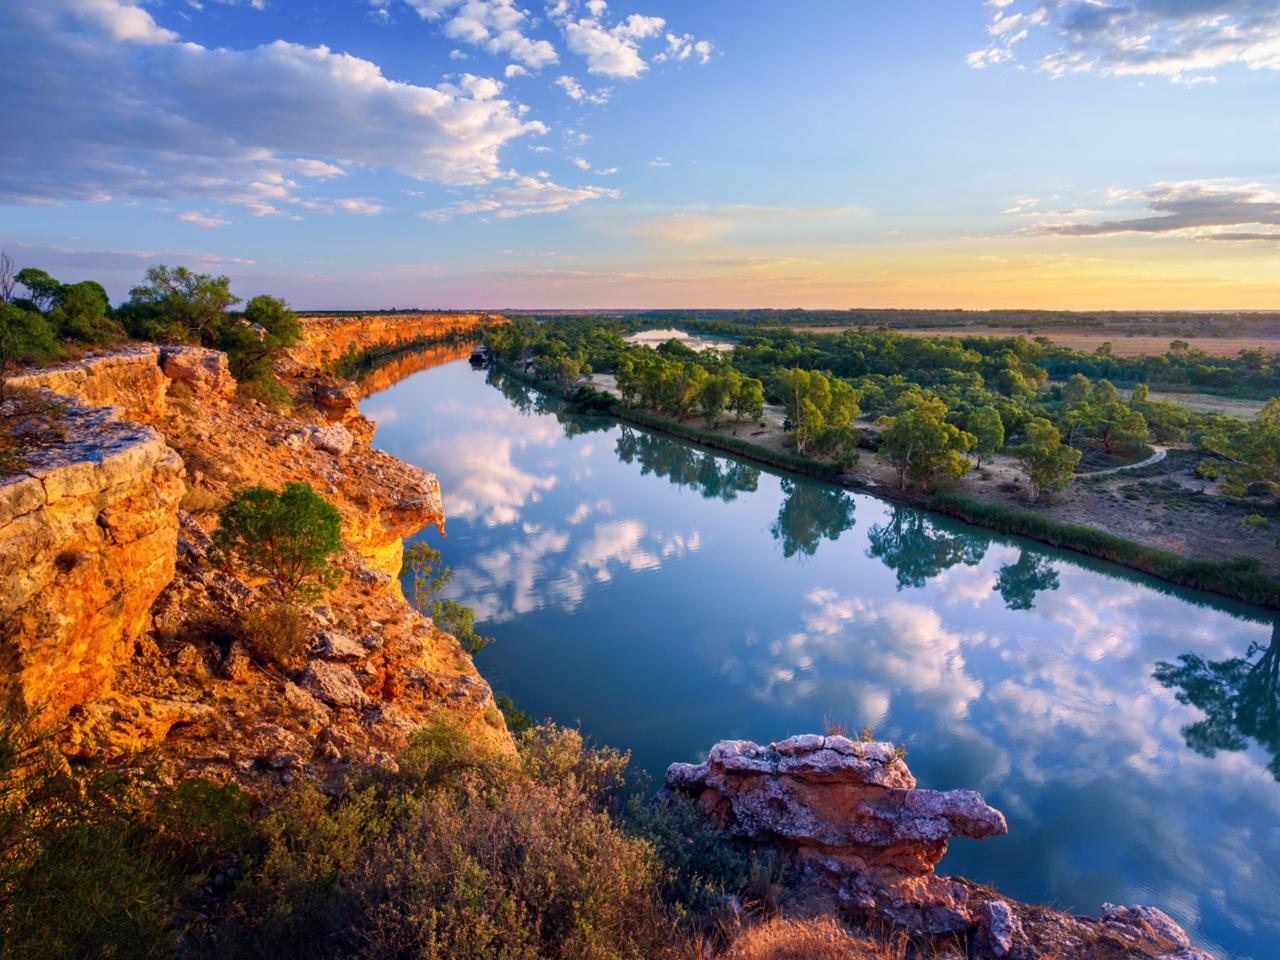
(326, 339)
(117, 726)
(999, 928)
(87, 542)
(204, 371)
(853, 804)
(851, 817)
(333, 438)
(334, 684)
(129, 380)
(336, 645)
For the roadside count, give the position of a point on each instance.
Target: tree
(1076, 390)
(267, 327)
(1046, 460)
(25, 336)
(713, 395)
(177, 305)
(287, 536)
(41, 287)
(1250, 452)
(428, 576)
(748, 399)
(81, 311)
(922, 447)
(7, 279)
(988, 429)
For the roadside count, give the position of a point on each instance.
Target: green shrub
(26, 336)
(460, 855)
(90, 864)
(266, 390)
(287, 536)
(428, 576)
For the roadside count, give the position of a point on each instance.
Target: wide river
(665, 598)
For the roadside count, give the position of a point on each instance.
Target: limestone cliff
(325, 339)
(117, 626)
(88, 533)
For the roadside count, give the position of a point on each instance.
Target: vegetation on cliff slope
(459, 854)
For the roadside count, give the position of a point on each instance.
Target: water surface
(665, 598)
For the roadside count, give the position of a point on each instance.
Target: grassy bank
(1239, 579)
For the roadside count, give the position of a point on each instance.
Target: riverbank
(1179, 536)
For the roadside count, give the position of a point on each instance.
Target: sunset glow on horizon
(653, 154)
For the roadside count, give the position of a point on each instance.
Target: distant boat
(480, 356)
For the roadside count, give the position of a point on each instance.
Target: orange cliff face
(123, 632)
(397, 368)
(326, 339)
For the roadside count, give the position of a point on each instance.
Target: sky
(500, 154)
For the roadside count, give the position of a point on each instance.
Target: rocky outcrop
(325, 339)
(115, 622)
(87, 541)
(851, 818)
(129, 380)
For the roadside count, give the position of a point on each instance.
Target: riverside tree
(922, 447)
(988, 430)
(818, 408)
(1047, 462)
(428, 576)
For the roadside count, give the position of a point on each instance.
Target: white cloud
(497, 26)
(580, 163)
(364, 207)
(1178, 39)
(575, 91)
(202, 219)
(521, 196)
(142, 114)
(515, 70)
(685, 46)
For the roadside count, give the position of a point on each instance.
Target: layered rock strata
(121, 630)
(88, 532)
(326, 339)
(852, 819)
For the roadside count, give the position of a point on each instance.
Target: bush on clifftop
(286, 536)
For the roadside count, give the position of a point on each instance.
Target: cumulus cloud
(521, 196)
(1221, 210)
(575, 91)
(498, 26)
(1179, 39)
(143, 114)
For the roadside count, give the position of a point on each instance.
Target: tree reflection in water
(1019, 582)
(918, 549)
(809, 514)
(686, 466)
(1240, 698)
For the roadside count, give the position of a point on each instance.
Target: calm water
(666, 598)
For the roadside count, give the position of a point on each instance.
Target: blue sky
(491, 153)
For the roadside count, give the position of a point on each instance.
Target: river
(664, 598)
